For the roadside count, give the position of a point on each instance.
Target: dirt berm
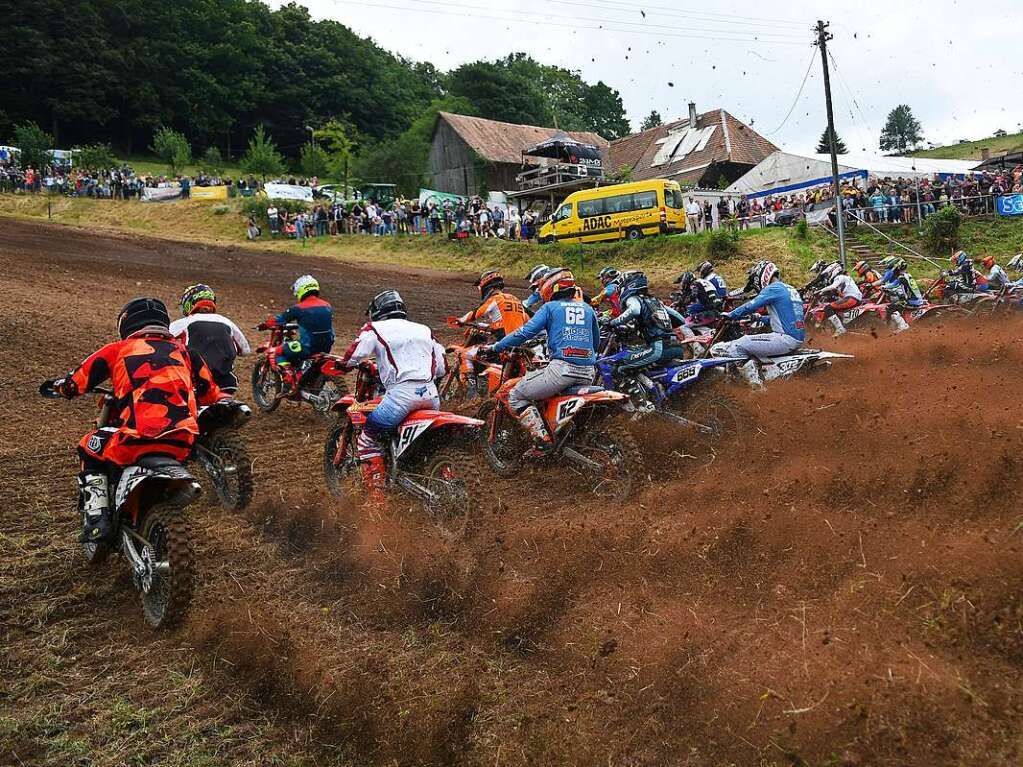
(839, 586)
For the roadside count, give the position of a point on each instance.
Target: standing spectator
(272, 217)
(708, 216)
(693, 214)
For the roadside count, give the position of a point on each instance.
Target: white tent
(783, 172)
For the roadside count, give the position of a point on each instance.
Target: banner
(289, 192)
(160, 193)
(1010, 205)
(208, 193)
(427, 196)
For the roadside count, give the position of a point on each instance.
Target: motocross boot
(900, 324)
(836, 323)
(751, 373)
(373, 476)
(97, 525)
(532, 422)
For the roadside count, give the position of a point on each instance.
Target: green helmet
(304, 285)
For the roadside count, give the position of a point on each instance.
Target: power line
(799, 93)
(848, 90)
(731, 18)
(607, 26)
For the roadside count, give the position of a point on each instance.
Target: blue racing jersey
(532, 302)
(315, 318)
(571, 327)
(784, 307)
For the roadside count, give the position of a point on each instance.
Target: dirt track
(841, 587)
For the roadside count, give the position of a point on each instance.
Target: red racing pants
(102, 447)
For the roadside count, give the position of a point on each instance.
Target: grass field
(221, 224)
(971, 150)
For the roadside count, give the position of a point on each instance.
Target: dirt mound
(839, 585)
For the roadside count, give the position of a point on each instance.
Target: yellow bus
(621, 211)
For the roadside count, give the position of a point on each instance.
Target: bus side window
(644, 200)
(590, 208)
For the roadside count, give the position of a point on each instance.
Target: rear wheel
(267, 386)
(633, 233)
(454, 479)
(341, 472)
(173, 560)
(719, 412)
(616, 451)
(232, 478)
(331, 390)
(504, 442)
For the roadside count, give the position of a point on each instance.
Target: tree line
(117, 71)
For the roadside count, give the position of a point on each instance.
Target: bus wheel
(633, 233)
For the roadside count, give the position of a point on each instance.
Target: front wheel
(267, 386)
(504, 442)
(453, 478)
(620, 460)
(230, 471)
(169, 549)
(330, 390)
(720, 413)
(341, 472)
(633, 233)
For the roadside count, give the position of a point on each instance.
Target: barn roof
(676, 150)
(503, 142)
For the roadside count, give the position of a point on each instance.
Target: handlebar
(49, 390)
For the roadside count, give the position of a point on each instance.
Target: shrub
(941, 231)
(802, 230)
(722, 243)
(256, 206)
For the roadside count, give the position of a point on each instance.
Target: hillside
(971, 150)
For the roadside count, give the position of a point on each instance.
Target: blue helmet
(633, 283)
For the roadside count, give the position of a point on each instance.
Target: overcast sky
(957, 64)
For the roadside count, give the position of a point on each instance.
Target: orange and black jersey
(502, 312)
(156, 381)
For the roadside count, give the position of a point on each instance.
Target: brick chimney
(985, 153)
(692, 114)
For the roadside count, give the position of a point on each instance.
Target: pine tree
(901, 131)
(823, 146)
(262, 157)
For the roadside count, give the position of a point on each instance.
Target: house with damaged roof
(473, 155)
(708, 150)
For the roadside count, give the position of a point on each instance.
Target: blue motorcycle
(672, 392)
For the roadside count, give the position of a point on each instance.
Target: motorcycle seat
(157, 462)
(576, 391)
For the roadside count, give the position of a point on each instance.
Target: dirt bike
(951, 290)
(468, 378)
(816, 314)
(430, 457)
(151, 529)
(677, 392)
(222, 453)
(580, 423)
(319, 380)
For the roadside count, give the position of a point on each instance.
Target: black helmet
(704, 269)
(387, 305)
(685, 281)
(141, 313)
(608, 275)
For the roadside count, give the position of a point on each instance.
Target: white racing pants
(399, 400)
(545, 383)
(756, 347)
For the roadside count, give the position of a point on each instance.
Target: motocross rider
(706, 272)
(996, 276)
(409, 361)
(699, 303)
(315, 318)
(535, 277)
(785, 310)
(501, 311)
(156, 381)
(846, 295)
(870, 280)
(654, 321)
(962, 268)
(610, 284)
(903, 289)
(216, 338)
(819, 280)
(572, 338)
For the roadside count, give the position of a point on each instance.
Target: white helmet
(831, 271)
(303, 285)
(1016, 263)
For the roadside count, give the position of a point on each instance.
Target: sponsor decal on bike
(789, 366)
(568, 408)
(686, 374)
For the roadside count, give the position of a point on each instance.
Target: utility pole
(822, 42)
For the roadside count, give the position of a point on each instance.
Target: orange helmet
(861, 267)
(556, 281)
(489, 280)
(988, 262)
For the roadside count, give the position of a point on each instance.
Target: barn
(473, 155)
(708, 150)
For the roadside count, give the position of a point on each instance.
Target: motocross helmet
(831, 271)
(959, 258)
(489, 281)
(305, 285)
(556, 281)
(1016, 263)
(861, 268)
(818, 266)
(608, 275)
(535, 275)
(899, 264)
(767, 272)
(635, 283)
(198, 298)
(751, 278)
(140, 313)
(685, 281)
(888, 261)
(704, 269)
(387, 305)
(989, 261)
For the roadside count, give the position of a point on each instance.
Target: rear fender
(423, 422)
(221, 414)
(560, 410)
(332, 366)
(344, 403)
(140, 487)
